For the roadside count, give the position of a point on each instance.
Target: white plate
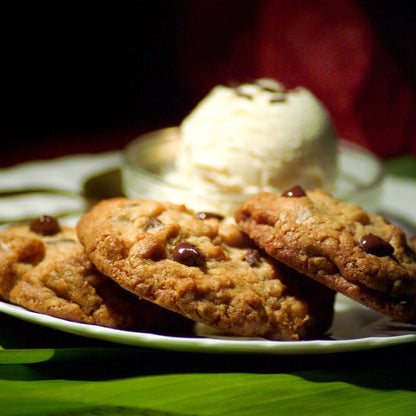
(355, 328)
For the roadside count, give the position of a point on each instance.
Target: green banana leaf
(404, 166)
(117, 380)
(46, 372)
(202, 394)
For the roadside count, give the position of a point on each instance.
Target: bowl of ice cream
(243, 140)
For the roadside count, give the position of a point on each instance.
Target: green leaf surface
(80, 376)
(41, 355)
(131, 381)
(25, 356)
(202, 394)
(404, 166)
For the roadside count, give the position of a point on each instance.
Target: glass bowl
(149, 158)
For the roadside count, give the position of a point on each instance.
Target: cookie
(203, 268)
(357, 253)
(44, 268)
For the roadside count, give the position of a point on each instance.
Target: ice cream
(256, 137)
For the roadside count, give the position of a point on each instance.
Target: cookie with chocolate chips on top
(357, 253)
(203, 268)
(44, 268)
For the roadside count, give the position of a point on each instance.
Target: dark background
(87, 77)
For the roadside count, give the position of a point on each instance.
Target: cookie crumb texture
(203, 268)
(357, 253)
(51, 274)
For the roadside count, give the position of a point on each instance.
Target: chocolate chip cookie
(203, 268)
(357, 253)
(44, 268)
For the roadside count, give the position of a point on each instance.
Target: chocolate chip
(208, 215)
(152, 223)
(372, 244)
(295, 192)
(45, 225)
(188, 254)
(252, 257)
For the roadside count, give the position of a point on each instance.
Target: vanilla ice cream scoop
(257, 137)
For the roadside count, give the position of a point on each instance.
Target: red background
(81, 78)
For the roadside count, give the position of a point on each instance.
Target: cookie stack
(153, 266)
(354, 252)
(44, 268)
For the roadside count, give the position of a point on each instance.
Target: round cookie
(357, 253)
(203, 268)
(47, 271)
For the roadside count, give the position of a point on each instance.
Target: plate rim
(205, 344)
